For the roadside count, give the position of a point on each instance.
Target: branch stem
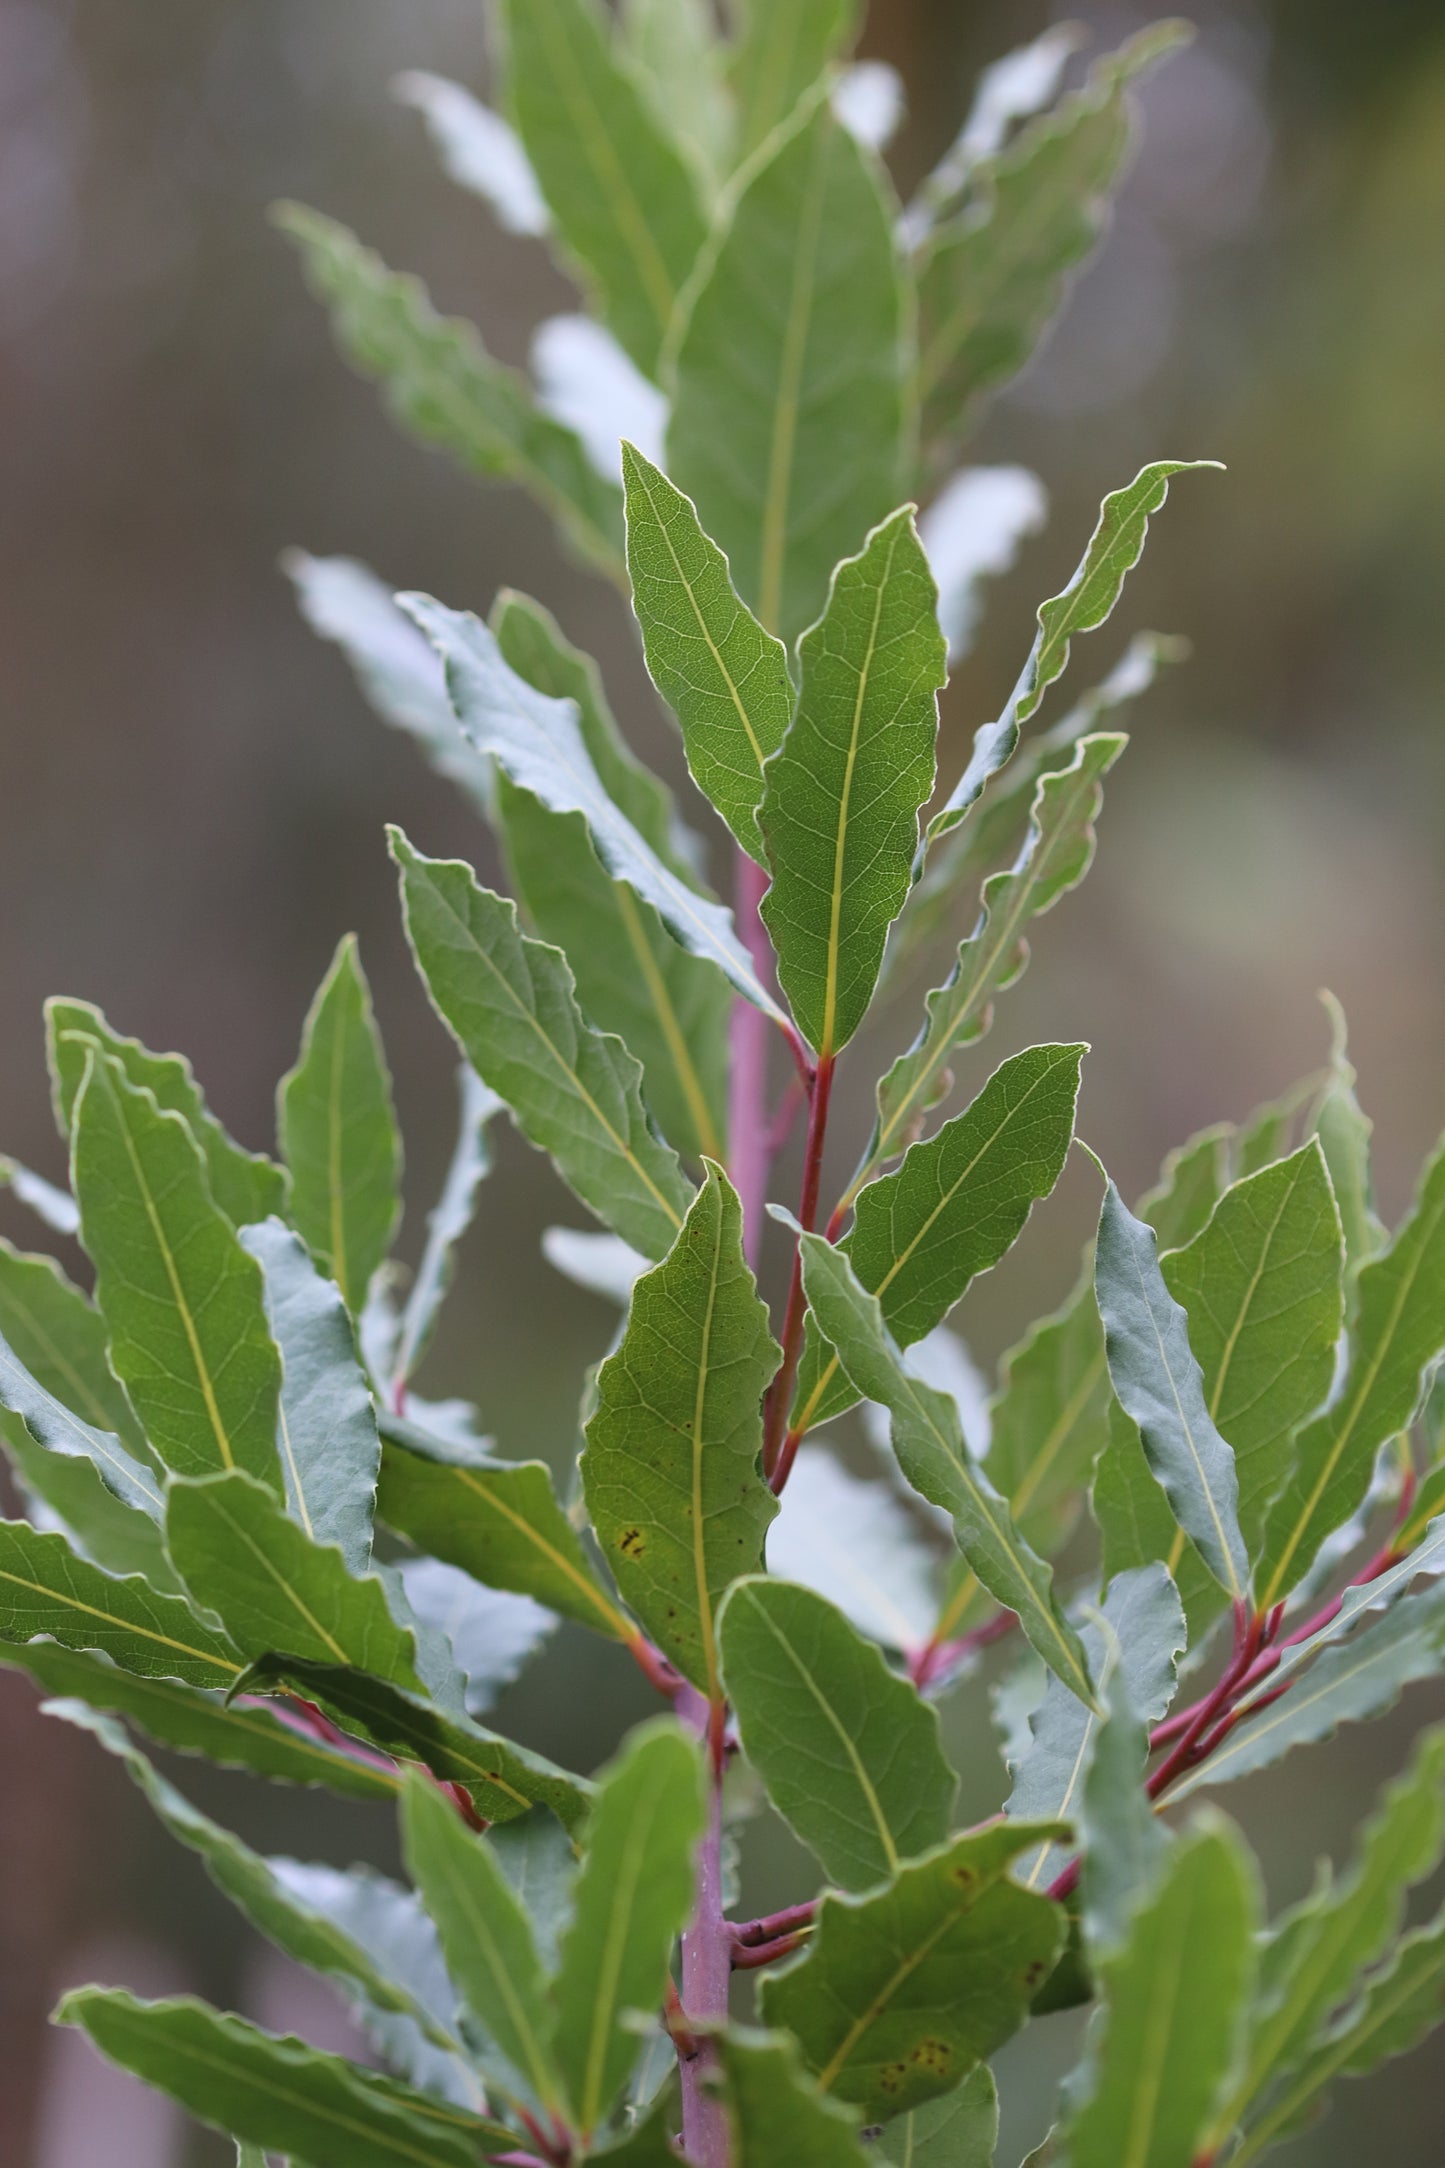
(780, 1444)
(750, 1149)
(707, 1954)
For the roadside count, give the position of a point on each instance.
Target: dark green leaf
(1049, 1422)
(1174, 1999)
(624, 198)
(841, 796)
(1160, 1386)
(725, 678)
(782, 49)
(849, 1753)
(245, 1185)
(633, 1897)
(1397, 1334)
(338, 1132)
(1137, 1524)
(1123, 1844)
(67, 1491)
(442, 384)
(272, 1587)
(671, 1472)
(792, 346)
(511, 1005)
(47, 1588)
(57, 1361)
(929, 1444)
(779, 2118)
(903, 1992)
(1114, 549)
(279, 2094)
(959, 2130)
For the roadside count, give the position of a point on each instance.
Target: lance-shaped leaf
(792, 346)
(783, 48)
(181, 1299)
(953, 1209)
(671, 1470)
(278, 2094)
(1344, 1131)
(303, 1933)
(1056, 854)
(1137, 1524)
(477, 149)
(1354, 1679)
(272, 1587)
(538, 741)
(1174, 1998)
(240, 1734)
(778, 2117)
(47, 1588)
(511, 1005)
(674, 47)
(501, 1522)
(1114, 549)
(1160, 1385)
(330, 1452)
(486, 1938)
(67, 1491)
(725, 677)
(904, 1991)
(504, 1780)
(245, 1185)
(338, 1132)
(1143, 1630)
(1049, 1420)
(624, 197)
(1122, 1843)
(841, 796)
(1426, 1558)
(1399, 2007)
(929, 1444)
(1261, 1286)
(1008, 90)
(632, 1899)
(849, 1753)
(992, 279)
(857, 1544)
(958, 2130)
(448, 1220)
(442, 384)
(1399, 1331)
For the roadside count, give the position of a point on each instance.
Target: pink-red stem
(707, 1954)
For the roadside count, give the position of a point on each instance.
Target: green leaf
(779, 2118)
(1261, 1285)
(275, 1589)
(510, 1003)
(499, 1521)
(504, 1780)
(956, 1206)
(1122, 1843)
(671, 1472)
(992, 279)
(67, 1491)
(1160, 1385)
(487, 1635)
(1049, 1421)
(447, 1222)
(236, 1735)
(278, 2094)
(1143, 1630)
(791, 345)
(486, 1938)
(674, 49)
(1013, 88)
(47, 1588)
(538, 742)
(849, 1753)
(330, 1452)
(338, 1132)
(1137, 1524)
(841, 797)
(1353, 1679)
(181, 1299)
(56, 1341)
(442, 384)
(724, 677)
(857, 1544)
(959, 2130)
(633, 1897)
(929, 1445)
(1400, 2006)
(1174, 1999)
(1191, 1181)
(306, 1935)
(1114, 549)
(624, 197)
(903, 1992)
(1056, 854)
(1344, 1132)
(245, 1185)
(1398, 1333)
(782, 48)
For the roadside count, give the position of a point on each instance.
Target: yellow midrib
(480, 1928)
(674, 1038)
(840, 841)
(109, 1618)
(301, 1608)
(564, 1565)
(687, 586)
(837, 2062)
(614, 1945)
(699, 1407)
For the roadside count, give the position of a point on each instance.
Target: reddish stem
(655, 1667)
(936, 1659)
(774, 1924)
(1248, 1633)
(706, 1962)
(779, 1445)
(749, 1146)
(753, 1956)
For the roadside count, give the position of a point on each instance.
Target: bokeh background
(194, 794)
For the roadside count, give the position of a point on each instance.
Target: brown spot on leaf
(632, 1543)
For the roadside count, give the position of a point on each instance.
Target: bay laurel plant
(1198, 1513)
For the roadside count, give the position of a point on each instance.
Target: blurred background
(194, 793)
